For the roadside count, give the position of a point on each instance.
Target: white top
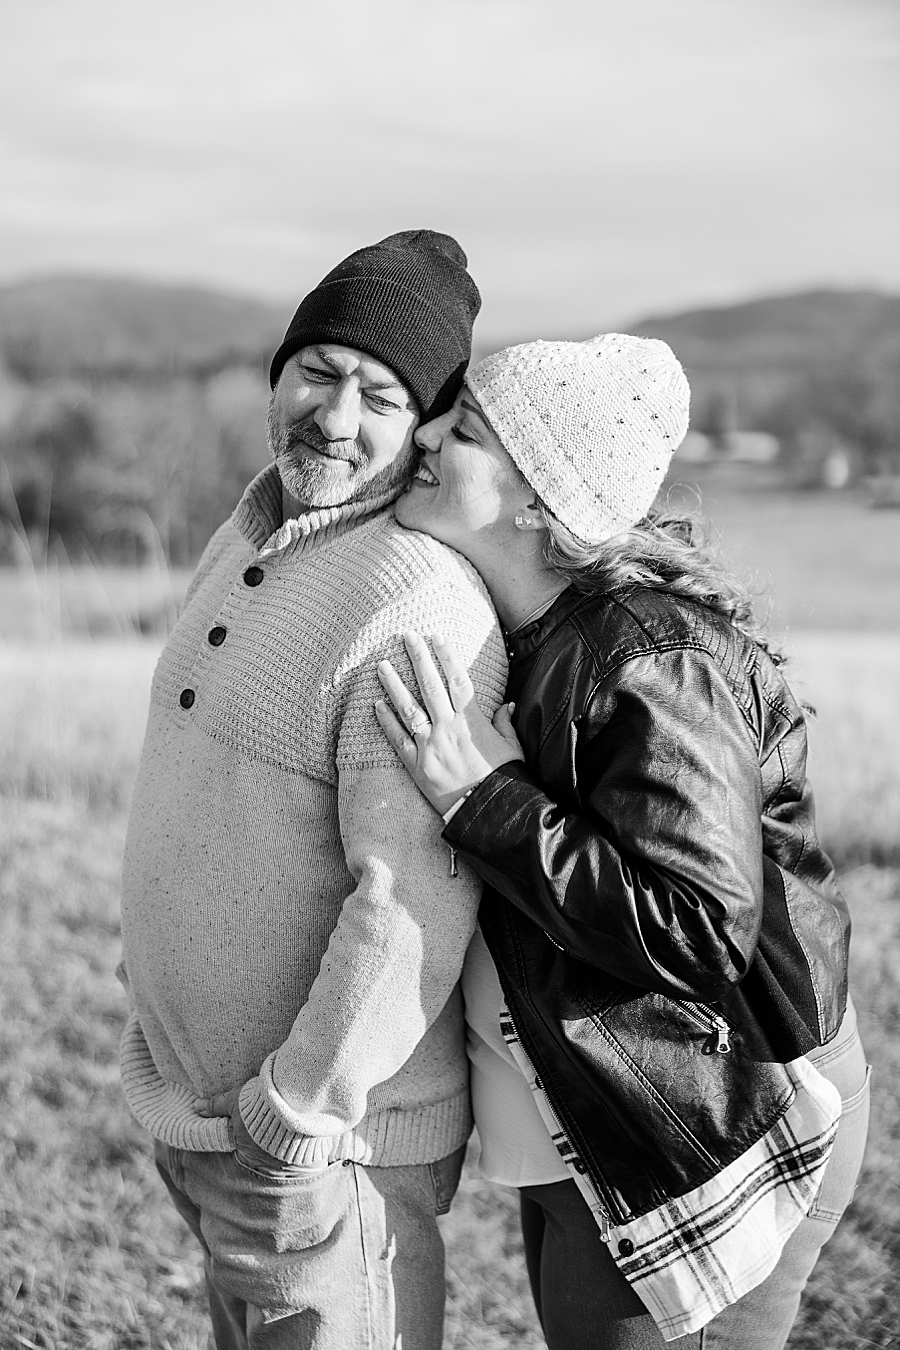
(516, 1148)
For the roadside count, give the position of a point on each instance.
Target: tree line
(126, 469)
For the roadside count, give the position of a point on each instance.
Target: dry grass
(93, 1257)
(853, 1299)
(72, 719)
(71, 601)
(853, 681)
(823, 560)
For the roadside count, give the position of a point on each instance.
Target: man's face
(341, 427)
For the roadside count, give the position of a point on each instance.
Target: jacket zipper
(712, 1022)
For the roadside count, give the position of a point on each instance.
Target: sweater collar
(258, 515)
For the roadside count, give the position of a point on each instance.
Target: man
(293, 929)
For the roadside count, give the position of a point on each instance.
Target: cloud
(596, 159)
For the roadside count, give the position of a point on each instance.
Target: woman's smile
(424, 475)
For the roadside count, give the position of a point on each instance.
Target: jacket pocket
(718, 1041)
(673, 1090)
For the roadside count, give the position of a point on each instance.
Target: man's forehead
(350, 360)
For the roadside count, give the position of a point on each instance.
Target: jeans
(345, 1258)
(582, 1300)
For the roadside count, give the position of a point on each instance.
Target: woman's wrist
(452, 809)
(447, 816)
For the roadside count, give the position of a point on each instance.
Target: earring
(522, 522)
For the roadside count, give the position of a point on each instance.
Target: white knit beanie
(591, 425)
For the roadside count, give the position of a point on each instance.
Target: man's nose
(338, 415)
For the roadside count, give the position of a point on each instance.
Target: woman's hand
(451, 745)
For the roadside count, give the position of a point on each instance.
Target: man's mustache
(307, 433)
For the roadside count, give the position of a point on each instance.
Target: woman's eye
(462, 436)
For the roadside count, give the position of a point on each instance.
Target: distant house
(696, 448)
(822, 458)
(729, 447)
(749, 447)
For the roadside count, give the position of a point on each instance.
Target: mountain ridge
(109, 325)
(66, 325)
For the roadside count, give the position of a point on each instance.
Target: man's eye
(382, 404)
(317, 375)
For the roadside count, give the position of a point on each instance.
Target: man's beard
(322, 482)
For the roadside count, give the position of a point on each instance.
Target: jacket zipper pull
(723, 1044)
(603, 1224)
(454, 870)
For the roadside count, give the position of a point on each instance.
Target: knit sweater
(290, 923)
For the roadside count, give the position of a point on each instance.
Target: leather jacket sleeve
(653, 873)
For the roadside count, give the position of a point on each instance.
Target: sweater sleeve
(656, 878)
(397, 950)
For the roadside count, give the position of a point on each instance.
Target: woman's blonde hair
(669, 551)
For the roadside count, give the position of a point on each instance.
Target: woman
(664, 1058)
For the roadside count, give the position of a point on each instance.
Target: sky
(597, 159)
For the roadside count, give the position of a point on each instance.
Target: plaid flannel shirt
(693, 1256)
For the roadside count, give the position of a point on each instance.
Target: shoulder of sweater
(400, 561)
(399, 579)
(228, 535)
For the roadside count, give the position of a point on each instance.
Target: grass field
(817, 561)
(91, 1257)
(821, 560)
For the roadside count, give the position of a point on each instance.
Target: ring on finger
(419, 723)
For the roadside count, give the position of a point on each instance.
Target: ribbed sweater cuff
(391, 1138)
(167, 1110)
(395, 1137)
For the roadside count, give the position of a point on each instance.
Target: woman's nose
(430, 435)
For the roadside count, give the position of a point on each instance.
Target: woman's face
(466, 489)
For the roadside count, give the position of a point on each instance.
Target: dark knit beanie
(408, 301)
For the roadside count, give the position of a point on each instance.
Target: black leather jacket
(666, 927)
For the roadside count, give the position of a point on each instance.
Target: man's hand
(452, 745)
(225, 1104)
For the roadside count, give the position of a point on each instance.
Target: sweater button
(216, 636)
(186, 698)
(626, 1247)
(253, 576)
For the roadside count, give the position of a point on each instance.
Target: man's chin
(318, 485)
